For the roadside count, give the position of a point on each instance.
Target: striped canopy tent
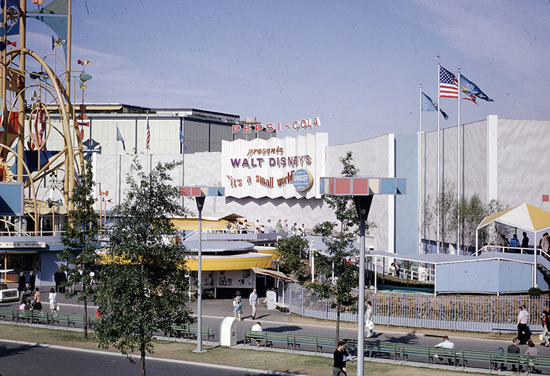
(523, 216)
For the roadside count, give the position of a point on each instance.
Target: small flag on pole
(147, 135)
(119, 138)
(448, 84)
(470, 89)
(429, 105)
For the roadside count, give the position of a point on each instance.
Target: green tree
(80, 241)
(340, 252)
(293, 257)
(144, 288)
(340, 248)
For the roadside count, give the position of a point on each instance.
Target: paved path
(215, 310)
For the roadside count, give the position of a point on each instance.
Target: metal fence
(479, 313)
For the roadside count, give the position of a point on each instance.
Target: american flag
(448, 84)
(147, 135)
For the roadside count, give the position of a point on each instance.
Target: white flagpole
(146, 148)
(458, 154)
(438, 154)
(182, 149)
(116, 164)
(419, 205)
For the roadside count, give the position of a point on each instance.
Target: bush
(534, 292)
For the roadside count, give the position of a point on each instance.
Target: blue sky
(355, 64)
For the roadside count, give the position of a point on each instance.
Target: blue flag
(119, 138)
(429, 105)
(471, 89)
(182, 140)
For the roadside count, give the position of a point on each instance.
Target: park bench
(92, 321)
(317, 341)
(190, 331)
(453, 355)
(500, 330)
(67, 318)
(538, 361)
(6, 312)
(281, 307)
(414, 350)
(32, 316)
(515, 360)
(379, 347)
(268, 337)
(481, 356)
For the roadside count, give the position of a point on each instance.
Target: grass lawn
(250, 358)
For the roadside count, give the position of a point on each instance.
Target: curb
(149, 358)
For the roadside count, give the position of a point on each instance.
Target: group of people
(514, 349)
(259, 228)
(253, 299)
(394, 269)
(22, 283)
(35, 303)
(514, 243)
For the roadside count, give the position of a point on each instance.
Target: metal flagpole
(147, 130)
(182, 150)
(116, 164)
(419, 205)
(438, 153)
(458, 154)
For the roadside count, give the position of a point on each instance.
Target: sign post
(362, 190)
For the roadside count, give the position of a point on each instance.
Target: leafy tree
(340, 248)
(341, 251)
(293, 257)
(80, 241)
(144, 288)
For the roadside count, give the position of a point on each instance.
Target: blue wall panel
(49, 265)
(491, 276)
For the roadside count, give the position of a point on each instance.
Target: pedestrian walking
(522, 325)
(339, 365)
(32, 281)
(53, 300)
(253, 299)
(545, 320)
(237, 306)
(21, 287)
(369, 324)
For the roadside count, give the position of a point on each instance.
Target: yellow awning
(193, 224)
(212, 263)
(233, 262)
